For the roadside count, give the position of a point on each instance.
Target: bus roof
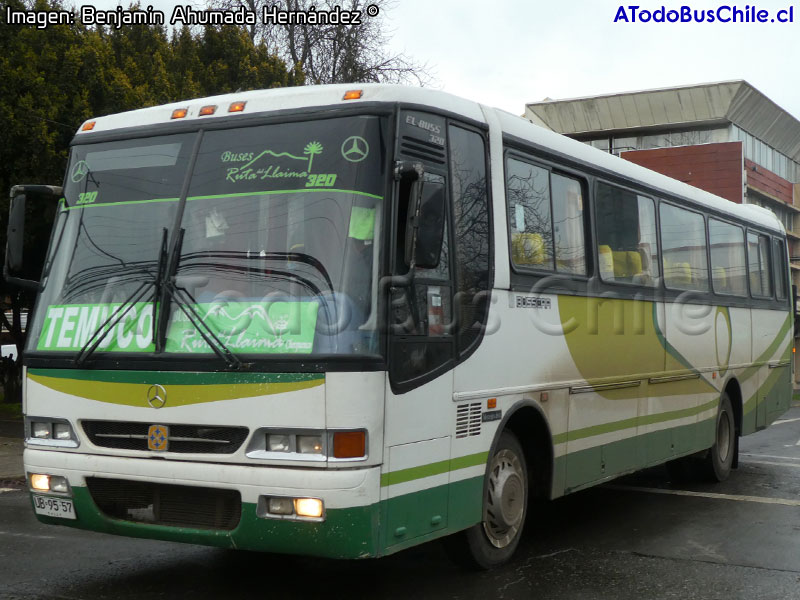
(259, 101)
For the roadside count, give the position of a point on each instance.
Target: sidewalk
(11, 433)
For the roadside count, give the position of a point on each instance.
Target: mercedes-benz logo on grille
(156, 396)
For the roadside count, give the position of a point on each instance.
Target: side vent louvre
(422, 150)
(468, 420)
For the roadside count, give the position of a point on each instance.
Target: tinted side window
(529, 215)
(627, 246)
(472, 232)
(727, 258)
(568, 229)
(683, 244)
(779, 262)
(758, 259)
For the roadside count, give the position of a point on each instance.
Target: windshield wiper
(167, 289)
(108, 326)
(96, 338)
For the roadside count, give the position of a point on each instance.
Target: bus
(344, 320)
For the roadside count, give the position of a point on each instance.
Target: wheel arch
(734, 391)
(527, 421)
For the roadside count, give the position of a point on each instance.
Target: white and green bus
(342, 322)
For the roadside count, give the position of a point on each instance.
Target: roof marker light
(88, 126)
(179, 113)
(353, 94)
(208, 110)
(236, 106)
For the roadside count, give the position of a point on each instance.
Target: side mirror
(15, 268)
(430, 224)
(15, 235)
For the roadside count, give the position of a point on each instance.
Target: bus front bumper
(348, 529)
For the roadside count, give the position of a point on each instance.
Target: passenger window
(568, 229)
(627, 246)
(530, 221)
(758, 258)
(779, 262)
(683, 244)
(727, 258)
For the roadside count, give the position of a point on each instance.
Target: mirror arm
(25, 284)
(47, 190)
(403, 168)
(417, 171)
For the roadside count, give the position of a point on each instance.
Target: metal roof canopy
(689, 106)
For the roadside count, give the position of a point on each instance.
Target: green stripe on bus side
(764, 389)
(176, 377)
(436, 468)
(614, 426)
(354, 532)
(669, 348)
(769, 352)
(588, 467)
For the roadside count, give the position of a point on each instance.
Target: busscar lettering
(532, 302)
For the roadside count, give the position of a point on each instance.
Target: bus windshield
(279, 241)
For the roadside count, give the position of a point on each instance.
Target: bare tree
(333, 53)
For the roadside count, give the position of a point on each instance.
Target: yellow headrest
(527, 248)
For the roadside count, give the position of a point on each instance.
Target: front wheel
(493, 541)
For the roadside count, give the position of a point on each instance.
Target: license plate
(54, 507)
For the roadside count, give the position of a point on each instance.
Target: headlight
(41, 482)
(309, 444)
(53, 432)
(40, 430)
(62, 431)
(278, 442)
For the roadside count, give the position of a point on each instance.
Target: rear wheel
(493, 541)
(719, 460)
(716, 463)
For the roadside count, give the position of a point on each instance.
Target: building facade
(726, 138)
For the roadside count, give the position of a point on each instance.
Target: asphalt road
(637, 538)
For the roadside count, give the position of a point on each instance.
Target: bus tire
(493, 541)
(719, 460)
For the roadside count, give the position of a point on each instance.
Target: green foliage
(54, 79)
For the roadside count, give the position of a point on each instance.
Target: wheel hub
(506, 497)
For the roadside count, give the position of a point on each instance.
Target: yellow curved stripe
(135, 394)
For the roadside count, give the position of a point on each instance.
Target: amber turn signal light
(349, 444)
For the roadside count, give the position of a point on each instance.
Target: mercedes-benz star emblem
(156, 396)
(355, 149)
(79, 171)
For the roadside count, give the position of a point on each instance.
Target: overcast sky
(509, 52)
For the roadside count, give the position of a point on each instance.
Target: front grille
(164, 504)
(187, 439)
